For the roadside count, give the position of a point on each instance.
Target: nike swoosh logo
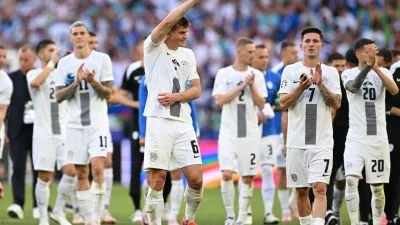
(379, 175)
(325, 175)
(168, 53)
(350, 199)
(196, 156)
(296, 82)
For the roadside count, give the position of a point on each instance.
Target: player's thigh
(377, 161)
(76, 146)
(296, 168)
(98, 142)
(248, 154)
(227, 157)
(268, 150)
(319, 165)
(158, 143)
(353, 158)
(44, 153)
(186, 149)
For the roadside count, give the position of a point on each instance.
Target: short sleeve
(60, 75)
(193, 68)
(220, 86)
(149, 46)
(106, 70)
(346, 76)
(5, 95)
(286, 81)
(260, 84)
(333, 84)
(30, 76)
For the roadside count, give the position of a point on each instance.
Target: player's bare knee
(302, 193)
(69, 170)
(82, 172)
(45, 176)
(176, 174)
(319, 189)
(227, 175)
(156, 179)
(282, 172)
(195, 184)
(340, 184)
(247, 179)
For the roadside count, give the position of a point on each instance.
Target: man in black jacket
(20, 131)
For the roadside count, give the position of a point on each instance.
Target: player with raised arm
(84, 79)
(367, 141)
(269, 140)
(106, 216)
(6, 90)
(239, 89)
(48, 134)
(309, 90)
(169, 133)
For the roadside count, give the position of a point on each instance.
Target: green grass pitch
(211, 211)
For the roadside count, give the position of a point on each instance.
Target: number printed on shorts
(269, 149)
(103, 141)
(253, 158)
(379, 163)
(195, 148)
(327, 165)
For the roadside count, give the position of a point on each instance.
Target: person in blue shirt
(176, 182)
(268, 146)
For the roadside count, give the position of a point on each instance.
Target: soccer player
(367, 144)
(385, 58)
(239, 89)
(48, 134)
(175, 181)
(340, 128)
(106, 216)
(170, 135)
(84, 79)
(6, 90)
(392, 190)
(269, 140)
(289, 55)
(309, 90)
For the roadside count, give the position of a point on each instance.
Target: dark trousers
(392, 188)
(20, 147)
(136, 168)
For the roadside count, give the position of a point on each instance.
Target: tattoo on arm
(332, 100)
(103, 88)
(358, 81)
(63, 93)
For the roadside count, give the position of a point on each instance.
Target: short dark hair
(262, 46)
(43, 44)
(286, 44)
(386, 54)
(351, 57)
(335, 56)
(312, 30)
(185, 23)
(361, 43)
(395, 52)
(92, 34)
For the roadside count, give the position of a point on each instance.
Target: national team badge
(153, 156)
(294, 177)
(377, 81)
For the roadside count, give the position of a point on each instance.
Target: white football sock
(85, 205)
(318, 221)
(377, 203)
(338, 196)
(307, 220)
(74, 198)
(176, 198)
(228, 197)
(108, 179)
(267, 188)
(98, 192)
(245, 196)
(352, 199)
(193, 199)
(42, 192)
(283, 196)
(154, 206)
(293, 195)
(64, 190)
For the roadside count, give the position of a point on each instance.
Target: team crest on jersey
(184, 64)
(283, 83)
(294, 177)
(377, 81)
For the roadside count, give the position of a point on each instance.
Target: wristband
(51, 65)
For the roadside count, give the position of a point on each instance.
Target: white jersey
(239, 116)
(86, 108)
(167, 72)
(6, 90)
(310, 119)
(49, 115)
(367, 118)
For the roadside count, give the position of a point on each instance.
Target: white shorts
(280, 158)
(170, 144)
(268, 149)
(2, 135)
(374, 154)
(84, 144)
(239, 155)
(47, 152)
(110, 146)
(340, 175)
(307, 166)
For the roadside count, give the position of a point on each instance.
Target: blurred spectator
(216, 24)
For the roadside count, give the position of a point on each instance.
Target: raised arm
(63, 93)
(41, 78)
(331, 99)
(289, 99)
(161, 31)
(389, 83)
(222, 99)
